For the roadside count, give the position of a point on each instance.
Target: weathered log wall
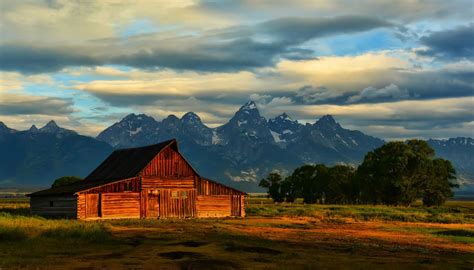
(213, 206)
(120, 205)
(57, 206)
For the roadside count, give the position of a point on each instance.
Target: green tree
(289, 189)
(310, 181)
(397, 173)
(340, 185)
(65, 180)
(438, 188)
(273, 185)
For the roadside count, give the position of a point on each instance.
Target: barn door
(92, 205)
(153, 209)
(235, 205)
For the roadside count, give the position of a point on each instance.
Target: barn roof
(127, 163)
(70, 188)
(120, 165)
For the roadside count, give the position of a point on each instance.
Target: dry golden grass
(316, 240)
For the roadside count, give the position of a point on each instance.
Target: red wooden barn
(154, 181)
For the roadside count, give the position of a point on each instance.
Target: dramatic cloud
(309, 94)
(29, 59)
(230, 49)
(396, 69)
(453, 44)
(390, 91)
(14, 104)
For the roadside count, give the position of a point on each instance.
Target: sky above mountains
(392, 69)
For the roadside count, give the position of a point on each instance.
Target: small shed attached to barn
(153, 181)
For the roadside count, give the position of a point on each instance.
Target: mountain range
(237, 153)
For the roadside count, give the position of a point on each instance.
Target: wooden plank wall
(168, 163)
(60, 206)
(155, 182)
(213, 206)
(120, 205)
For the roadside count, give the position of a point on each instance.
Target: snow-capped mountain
(460, 151)
(238, 153)
(246, 126)
(133, 130)
(284, 129)
(247, 146)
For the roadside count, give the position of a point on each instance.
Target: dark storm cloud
(298, 30)
(30, 59)
(231, 49)
(451, 44)
(12, 104)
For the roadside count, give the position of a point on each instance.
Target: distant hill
(237, 153)
(35, 157)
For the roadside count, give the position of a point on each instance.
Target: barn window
(174, 195)
(184, 194)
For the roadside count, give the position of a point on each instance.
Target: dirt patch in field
(178, 255)
(190, 244)
(209, 264)
(113, 255)
(252, 249)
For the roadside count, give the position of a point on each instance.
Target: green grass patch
(458, 212)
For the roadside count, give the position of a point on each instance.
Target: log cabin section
(153, 181)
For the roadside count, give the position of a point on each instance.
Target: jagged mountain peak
(33, 128)
(250, 105)
(327, 121)
(136, 117)
(284, 117)
(171, 118)
(190, 117)
(248, 111)
(50, 126)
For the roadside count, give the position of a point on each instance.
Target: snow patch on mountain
(136, 131)
(276, 137)
(215, 138)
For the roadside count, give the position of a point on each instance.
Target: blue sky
(393, 69)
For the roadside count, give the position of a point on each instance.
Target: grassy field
(285, 236)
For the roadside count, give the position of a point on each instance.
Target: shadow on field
(16, 211)
(464, 233)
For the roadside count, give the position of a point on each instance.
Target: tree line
(397, 173)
